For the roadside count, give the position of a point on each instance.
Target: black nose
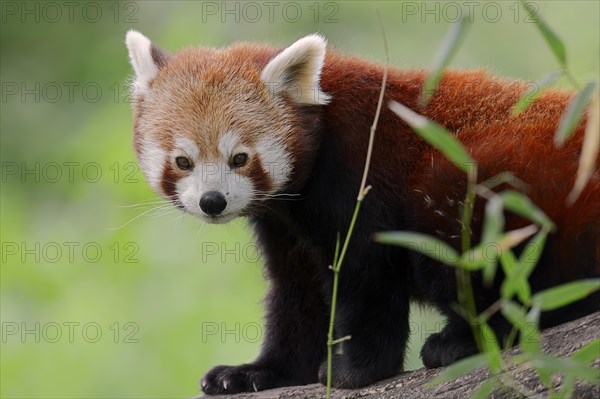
(213, 203)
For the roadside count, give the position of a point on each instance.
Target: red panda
(223, 133)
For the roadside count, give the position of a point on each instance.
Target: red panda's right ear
(145, 58)
(297, 71)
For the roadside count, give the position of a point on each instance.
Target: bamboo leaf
(529, 337)
(534, 91)
(529, 332)
(489, 272)
(485, 389)
(504, 177)
(557, 46)
(514, 313)
(422, 243)
(534, 314)
(565, 365)
(527, 262)
(509, 262)
(491, 348)
(493, 223)
(522, 205)
(571, 116)
(533, 251)
(559, 296)
(589, 150)
(434, 134)
(460, 368)
(450, 45)
(514, 237)
(567, 388)
(473, 259)
(516, 275)
(585, 355)
(477, 258)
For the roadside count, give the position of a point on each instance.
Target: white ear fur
(140, 57)
(297, 70)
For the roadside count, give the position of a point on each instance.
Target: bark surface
(561, 340)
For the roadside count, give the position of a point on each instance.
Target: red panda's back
(524, 146)
(477, 107)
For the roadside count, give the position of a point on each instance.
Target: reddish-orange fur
(478, 108)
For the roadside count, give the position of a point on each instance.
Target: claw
(203, 384)
(225, 384)
(254, 386)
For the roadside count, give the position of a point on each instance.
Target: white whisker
(131, 220)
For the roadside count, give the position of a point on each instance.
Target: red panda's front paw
(444, 348)
(346, 375)
(235, 379)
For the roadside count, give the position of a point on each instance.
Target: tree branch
(562, 340)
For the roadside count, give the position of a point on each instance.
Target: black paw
(346, 375)
(442, 349)
(244, 378)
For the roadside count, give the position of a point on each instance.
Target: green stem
(489, 312)
(466, 298)
(337, 263)
(362, 192)
(332, 315)
(467, 214)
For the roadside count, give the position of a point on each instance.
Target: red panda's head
(217, 131)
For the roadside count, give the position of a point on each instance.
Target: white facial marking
(297, 70)
(140, 56)
(275, 160)
(152, 160)
(187, 147)
(213, 175)
(229, 144)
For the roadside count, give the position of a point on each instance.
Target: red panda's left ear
(297, 70)
(145, 58)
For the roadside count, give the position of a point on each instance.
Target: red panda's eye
(239, 160)
(183, 163)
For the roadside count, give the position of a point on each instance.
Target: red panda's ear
(145, 58)
(297, 69)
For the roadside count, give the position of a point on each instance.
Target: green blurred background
(100, 302)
